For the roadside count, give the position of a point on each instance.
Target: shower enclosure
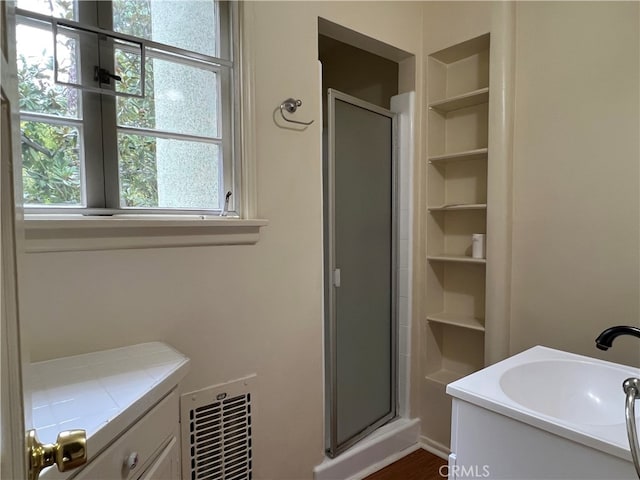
(360, 269)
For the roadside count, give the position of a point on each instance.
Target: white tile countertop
(103, 392)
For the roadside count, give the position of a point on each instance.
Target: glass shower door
(362, 306)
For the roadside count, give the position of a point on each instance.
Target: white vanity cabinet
(489, 445)
(148, 450)
(127, 401)
(167, 465)
(541, 414)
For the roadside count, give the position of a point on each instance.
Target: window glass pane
(187, 24)
(68, 46)
(57, 8)
(136, 112)
(168, 173)
(138, 176)
(51, 164)
(38, 92)
(178, 98)
(128, 66)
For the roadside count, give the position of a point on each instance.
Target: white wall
(576, 184)
(235, 309)
(449, 22)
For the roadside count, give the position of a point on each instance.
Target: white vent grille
(216, 432)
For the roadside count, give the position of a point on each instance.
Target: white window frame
(70, 231)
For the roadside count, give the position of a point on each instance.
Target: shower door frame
(333, 448)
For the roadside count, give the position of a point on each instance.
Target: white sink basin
(579, 392)
(572, 396)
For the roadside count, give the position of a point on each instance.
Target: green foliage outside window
(51, 152)
(137, 153)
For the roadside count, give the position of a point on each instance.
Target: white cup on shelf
(478, 245)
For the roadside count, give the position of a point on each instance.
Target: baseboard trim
(434, 447)
(381, 448)
(385, 463)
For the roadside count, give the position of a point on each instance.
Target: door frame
(14, 462)
(333, 448)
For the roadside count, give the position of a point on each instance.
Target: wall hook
(291, 105)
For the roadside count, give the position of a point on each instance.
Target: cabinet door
(143, 440)
(166, 466)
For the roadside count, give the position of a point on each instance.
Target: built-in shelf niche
(459, 70)
(457, 183)
(458, 91)
(459, 130)
(453, 352)
(450, 231)
(457, 288)
(453, 330)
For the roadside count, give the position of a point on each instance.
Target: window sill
(65, 233)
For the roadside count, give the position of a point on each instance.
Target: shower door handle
(336, 278)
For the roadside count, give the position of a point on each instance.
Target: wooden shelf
(444, 377)
(457, 320)
(475, 154)
(459, 206)
(456, 258)
(470, 99)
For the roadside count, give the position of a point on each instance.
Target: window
(127, 106)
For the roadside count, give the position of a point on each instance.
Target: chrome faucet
(631, 388)
(606, 338)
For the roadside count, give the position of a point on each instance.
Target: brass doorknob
(69, 451)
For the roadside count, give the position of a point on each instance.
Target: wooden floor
(419, 465)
